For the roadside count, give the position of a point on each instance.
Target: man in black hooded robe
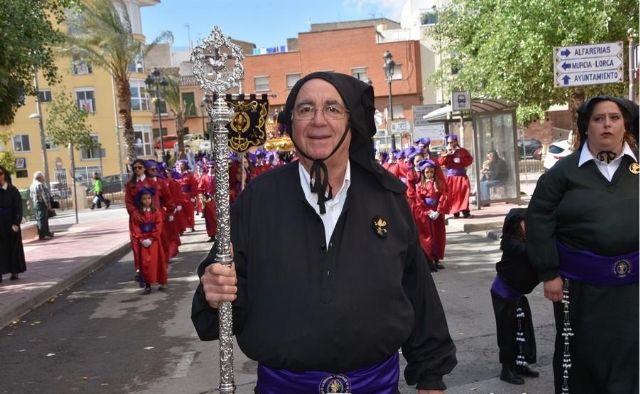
(330, 274)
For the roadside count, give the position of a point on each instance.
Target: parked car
(168, 141)
(528, 147)
(557, 151)
(59, 190)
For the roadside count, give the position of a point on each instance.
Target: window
(86, 100)
(21, 143)
(44, 96)
(50, 144)
(22, 174)
(429, 18)
(94, 152)
(262, 84)
(139, 96)
(156, 132)
(397, 72)
(292, 79)
(142, 138)
(360, 73)
(159, 105)
(189, 104)
(80, 66)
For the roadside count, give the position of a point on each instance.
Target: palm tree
(179, 108)
(101, 34)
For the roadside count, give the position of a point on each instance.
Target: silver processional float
(217, 65)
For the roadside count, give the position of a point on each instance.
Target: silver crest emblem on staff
(217, 67)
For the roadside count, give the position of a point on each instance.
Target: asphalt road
(103, 336)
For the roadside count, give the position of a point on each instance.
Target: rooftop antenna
(189, 37)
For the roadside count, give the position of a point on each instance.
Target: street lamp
(389, 65)
(155, 80)
(43, 142)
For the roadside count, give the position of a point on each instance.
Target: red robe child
(458, 186)
(151, 260)
(207, 187)
(430, 201)
(189, 189)
(179, 223)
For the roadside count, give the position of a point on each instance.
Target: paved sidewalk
(76, 250)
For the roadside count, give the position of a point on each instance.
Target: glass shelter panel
(496, 157)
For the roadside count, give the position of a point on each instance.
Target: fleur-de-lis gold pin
(380, 226)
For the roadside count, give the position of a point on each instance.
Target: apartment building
(94, 91)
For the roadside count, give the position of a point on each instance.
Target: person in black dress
(11, 251)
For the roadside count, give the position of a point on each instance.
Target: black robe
(305, 303)
(11, 252)
(580, 208)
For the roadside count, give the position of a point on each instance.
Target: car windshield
(555, 149)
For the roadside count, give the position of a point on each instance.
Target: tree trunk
(123, 92)
(180, 132)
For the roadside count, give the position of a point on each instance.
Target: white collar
(305, 179)
(5, 186)
(142, 178)
(586, 155)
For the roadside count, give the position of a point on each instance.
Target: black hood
(512, 221)
(358, 98)
(628, 108)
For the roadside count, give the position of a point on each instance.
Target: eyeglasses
(333, 111)
(138, 167)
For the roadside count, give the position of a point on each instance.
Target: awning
(478, 105)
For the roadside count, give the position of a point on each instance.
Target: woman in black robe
(11, 251)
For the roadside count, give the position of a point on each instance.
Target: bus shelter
(488, 131)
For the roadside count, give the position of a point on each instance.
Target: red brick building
(353, 51)
(354, 48)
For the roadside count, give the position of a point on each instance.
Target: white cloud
(390, 9)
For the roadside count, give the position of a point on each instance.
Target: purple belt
(456, 172)
(147, 227)
(501, 288)
(431, 201)
(185, 188)
(381, 378)
(584, 266)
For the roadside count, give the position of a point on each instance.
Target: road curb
(32, 301)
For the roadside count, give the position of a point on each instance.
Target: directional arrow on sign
(565, 53)
(595, 64)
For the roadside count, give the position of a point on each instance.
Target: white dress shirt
(333, 206)
(606, 169)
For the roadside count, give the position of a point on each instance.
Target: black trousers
(507, 327)
(42, 219)
(101, 199)
(604, 347)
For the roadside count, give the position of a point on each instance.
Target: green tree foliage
(7, 159)
(179, 108)
(28, 34)
(67, 124)
(504, 48)
(101, 33)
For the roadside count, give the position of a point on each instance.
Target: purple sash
(185, 188)
(456, 172)
(584, 266)
(381, 378)
(501, 288)
(430, 201)
(147, 227)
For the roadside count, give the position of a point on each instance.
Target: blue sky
(264, 23)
